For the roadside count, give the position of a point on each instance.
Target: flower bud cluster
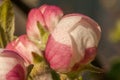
(72, 42)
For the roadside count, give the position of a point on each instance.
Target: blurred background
(105, 12)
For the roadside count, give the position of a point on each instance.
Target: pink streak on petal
(58, 55)
(90, 54)
(17, 73)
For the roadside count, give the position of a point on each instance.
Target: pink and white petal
(8, 60)
(59, 55)
(52, 15)
(34, 16)
(24, 47)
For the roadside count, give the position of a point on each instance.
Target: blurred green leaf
(114, 73)
(6, 23)
(115, 33)
(80, 78)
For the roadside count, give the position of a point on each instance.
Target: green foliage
(115, 33)
(80, 78)
(114, 73)
(6, 23)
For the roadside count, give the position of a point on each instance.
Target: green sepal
(41, 68)
(6, 23)
(92, 68)
(37, 58)
(72, 76)
(44, 36)
(29, 69)
(89, 67)
(39, 64)
(55, 75)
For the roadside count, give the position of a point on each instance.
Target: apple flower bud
(73, 43)
(24, 47)
(52, 14)
(42, 21)
(11, 66)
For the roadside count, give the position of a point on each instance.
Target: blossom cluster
(67, 42)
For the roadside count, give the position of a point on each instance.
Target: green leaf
(114, 73)
(3, 39)
(6, 23)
